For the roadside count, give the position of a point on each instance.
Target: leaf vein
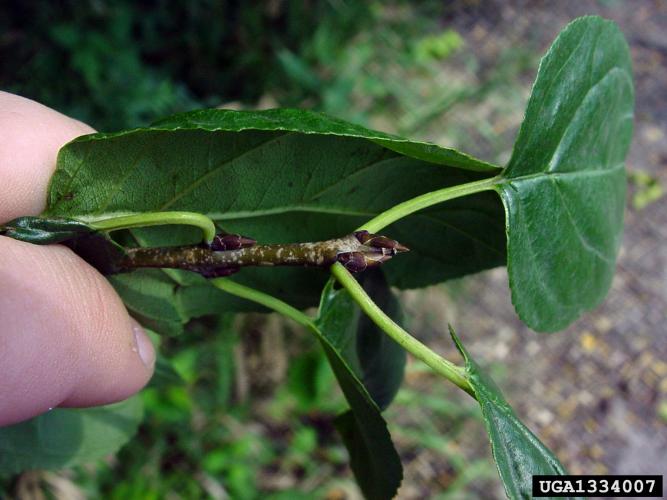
(197, 182)
(582, 238)
(357, 172)
(553, 162)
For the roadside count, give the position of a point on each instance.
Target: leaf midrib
(567, 175)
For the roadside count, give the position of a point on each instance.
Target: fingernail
(144, 346)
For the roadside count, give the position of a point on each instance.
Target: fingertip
(32, 134)
(65, 338)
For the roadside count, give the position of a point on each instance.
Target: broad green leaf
(373, 459)
(365, 444)
(564, 187)
(375, 358)
(448, 241)
(378, 363)
(283, 176)
(310, 122)
(151, 296)
(518, 453)
(66, 437)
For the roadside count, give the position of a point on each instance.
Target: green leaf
(518, 453)
(151, 296)
(94, 247)
(378, 363)
(375, 462)
(43, 231)
(373, 458)
(165, 300)
(364, 443)
(165, 374)
(465, 236)
(564, 187)
(375, 358)
(382, 360)
(66, 437)
(283, 176)
(310, 122)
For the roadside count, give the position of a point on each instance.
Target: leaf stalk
(157, 219)
(445, 368)
(426, 200)
(264, 299)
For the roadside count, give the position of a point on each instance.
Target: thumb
(65, 337)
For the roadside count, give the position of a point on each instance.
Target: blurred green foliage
(647, 189)
(119, 64)
(123, 63)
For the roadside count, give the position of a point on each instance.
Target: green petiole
(264, 299)
(440, 365)
(157, 219)
(426, 200)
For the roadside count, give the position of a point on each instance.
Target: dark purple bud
(219, 272)
(363, 236)
(384, 242)
(401, 248)
(379, 241)
(220, 242)
(355, 262)
(375, 259)
(246, 242)
(223, 242)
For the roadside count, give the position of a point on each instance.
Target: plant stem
(408, 207)
(441, 366)
(264, 299)
(157, 219)
(356, 251)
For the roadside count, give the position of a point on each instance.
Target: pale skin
(66, 340)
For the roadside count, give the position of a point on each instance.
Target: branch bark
(229, 253)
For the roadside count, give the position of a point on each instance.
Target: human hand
(65, 337)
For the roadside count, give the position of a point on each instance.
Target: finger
(66, 338)
(31, 137)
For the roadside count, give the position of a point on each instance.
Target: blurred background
(253, 414)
